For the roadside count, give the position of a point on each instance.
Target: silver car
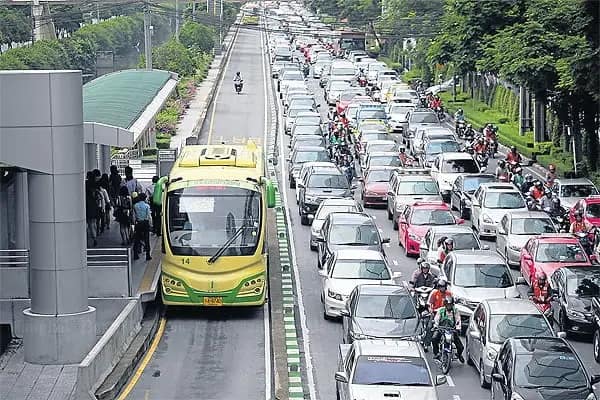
(493, 322)
(572, 190)
(516, 228)
(463, 236)
(477, 275)
(491, 202)
(398, 116)
(327, 207)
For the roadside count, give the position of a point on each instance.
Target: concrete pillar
(539, 120)
(104, 164)
(22, 211)
(41, 116)
(43, 25)
(91, 156)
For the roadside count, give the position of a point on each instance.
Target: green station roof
(119, 98)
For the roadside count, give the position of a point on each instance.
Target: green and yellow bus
(214, 215)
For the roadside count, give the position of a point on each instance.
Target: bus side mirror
(270, 189)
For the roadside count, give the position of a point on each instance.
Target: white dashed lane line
(450, 381)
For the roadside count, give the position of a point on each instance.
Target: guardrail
(109, 272)
(14, 258)
(14, 273)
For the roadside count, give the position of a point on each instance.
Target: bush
(163, 143)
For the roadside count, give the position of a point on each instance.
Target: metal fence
(14, 273)
(109, 272)
(14, 258)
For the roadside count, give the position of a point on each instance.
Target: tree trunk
(590, 126)
(539, 118)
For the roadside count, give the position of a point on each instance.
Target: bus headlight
(173, 287)
(252, 287)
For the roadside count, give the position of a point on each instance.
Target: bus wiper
(226, 245)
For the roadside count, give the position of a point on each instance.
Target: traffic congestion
(439, 264)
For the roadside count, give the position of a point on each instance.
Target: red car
(548, 253)
(348, 97)
(416, 219)
(590, 208)
(375, 186)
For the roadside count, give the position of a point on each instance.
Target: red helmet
(540, 276)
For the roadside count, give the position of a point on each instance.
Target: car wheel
(394, 224)
(325, 316)
(337, 394)
(463, 213)
(390, 215)
(304, 219)
(292, 183)
(563, 324)
(597, 345)
(468, 352)
(482, 380)
(313, 247)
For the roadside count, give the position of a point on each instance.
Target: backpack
(98, 199)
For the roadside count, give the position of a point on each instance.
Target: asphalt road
(324, 336)
(217, 353)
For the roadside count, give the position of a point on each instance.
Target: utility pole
(177, 19)
(194, 11)
(97, 12)
(147, 37)
(221, 25)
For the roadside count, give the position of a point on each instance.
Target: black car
(575, 287)
(379, 312)
(348, 229)
(299, 156)
(534, 368)
(463, 189)
(321, 185)
(596, 312)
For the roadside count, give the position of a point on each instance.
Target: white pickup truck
(376, 369)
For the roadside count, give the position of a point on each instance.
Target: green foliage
(173, 56)
(15, 26)
(163, 143)
(197, 37)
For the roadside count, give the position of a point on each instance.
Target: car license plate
(212, 301)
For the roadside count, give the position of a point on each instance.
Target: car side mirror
(498, 377)
(300, 185)
(521, 281)
(344, 313)
(440, 380)
(288, 159)
(475, 334)
(485, 247)
(460, 221)
(321, 240)
(483, 169)
(390, 193)
(501, 231)
(341, 377)
(474, 203)
(595, 379)
(311, 217)
(562, 335)
(385, 240)
(323, 273)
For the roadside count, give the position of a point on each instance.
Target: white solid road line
(305, 336)
(266, 316)
(455, 397)
(395, 262)
(450, 381)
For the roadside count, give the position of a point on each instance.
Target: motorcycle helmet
(529, 177)
(469, 126)
(538, 184)
(552, 168)
(547, 192)
(460, 111)
(449, 300)
(424, 265)
(501, 163)
(541, 277)
(449, 242)
(518, 170)
(442, 283)
(513, 149)
(481, 140)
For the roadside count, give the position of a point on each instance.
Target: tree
(197, 36)
(15, 26)
(174, 56)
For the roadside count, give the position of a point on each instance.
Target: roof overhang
(147, 117)
(96, 133)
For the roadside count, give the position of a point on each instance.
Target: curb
(120, 375)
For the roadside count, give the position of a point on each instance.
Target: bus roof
(221, 162)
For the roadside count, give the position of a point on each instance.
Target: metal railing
(112, 265)
(14, 258)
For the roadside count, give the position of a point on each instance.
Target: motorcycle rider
(541, 289)
(469, 131)
(480, 146)
(436, 301)
(528, 184)
(404, 158)
(459, 116)
(448, 317)
(546, 201)
(513, 156)
(501, 171)
(446, 247)
(580, 225)
(306, 68)
(436, 102)
(517, 178)
(537, 190)
(237, 80)
(422, 276)
(551, 175)
(488, 131)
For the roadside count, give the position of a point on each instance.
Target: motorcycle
(421, 298)
(461, 127)
(446, 349)
(362, 81)
(561, 220)
(440, 113)
(545, 308)
(238, 86)
(492, 147)
(482, 159)
(587, 241)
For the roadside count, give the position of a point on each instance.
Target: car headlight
(575, 314)
(516, 396)
(334, 295)
(492, 354)
(369, 193)
(358, 336)
(487, 219)
(412, 236)
(591, 396)
(310, 199)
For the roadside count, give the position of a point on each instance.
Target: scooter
(460, 129)
(446, 349)
(238, 86)
(421, 297)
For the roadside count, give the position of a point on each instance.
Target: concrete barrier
(107, 352)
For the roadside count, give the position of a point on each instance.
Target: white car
(398, 116)
(345, 270)
(490, 203)
(515, 230)
(326, 207)
(448, 166)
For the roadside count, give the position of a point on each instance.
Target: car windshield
(372, 114)
(312, 155)
(302, 103)
(560, 252)
(306, 120)
(593, 210)
(442, 147)
(381, 175)
(383, 147)
(292, 76)
(419, 187)
(559, 370)
(532, 226)
(462, 241)
(362, 234)
(365, 137)
(399, 109)
(386, 370)
(384, 161)
(328, 181)
(424, 118)
(432, 217)
(298, 108)
(343, 71)
(338, 85)
(578, 190)
(471, 183)
(468, 166)
(505, 200)
(324, 211)
(392, 306)
(360, 269)
(507, 326)
(347, 96)
(308, 130)
(482, 276)
(583, 283)
(203, 218)
(372, 127)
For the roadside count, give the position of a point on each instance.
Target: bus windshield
(201, 219)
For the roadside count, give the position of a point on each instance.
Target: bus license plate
(212, 301)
